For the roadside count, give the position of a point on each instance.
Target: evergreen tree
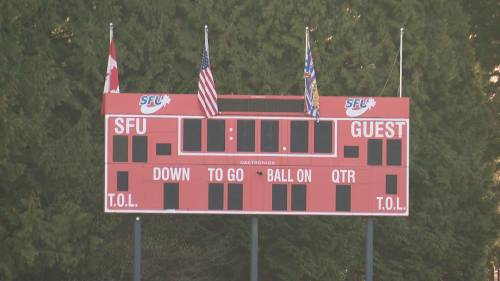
(52, 65)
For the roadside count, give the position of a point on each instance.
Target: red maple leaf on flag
(111, 84)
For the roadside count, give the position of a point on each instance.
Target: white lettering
(119, 126)
(356, 129)
(171, 174)
(131, 202)
(389, 128)
(141, 130)
(304, 175)
(279, 175)
(343, 176)
(389, 204)
(128, 124)
(124, 125)
(270, 177)
(111, 199)
(379, 200)
(235, 175)
(156, 173)
(175, 174)
(239, 175)
(366, 133)
(186, 174)
(351, 176)
(377, 129)
(120, 200)
(400, 125)
(211, 173)
(215, 174)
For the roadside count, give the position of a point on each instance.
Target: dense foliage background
(53, 57)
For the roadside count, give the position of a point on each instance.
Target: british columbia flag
(311, 93)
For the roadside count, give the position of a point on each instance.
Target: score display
(260, 155)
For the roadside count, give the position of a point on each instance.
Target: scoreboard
(260, 155)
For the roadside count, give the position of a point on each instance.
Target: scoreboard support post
(369, 251)
(137, 249)
(254, 250)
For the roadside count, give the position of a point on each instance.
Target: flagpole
(307, 40)
(401, 63)
(106, 82)
(110, 32)
(206, 43)
(305, 58)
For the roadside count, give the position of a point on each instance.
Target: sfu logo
(357, 106)
(152, 103)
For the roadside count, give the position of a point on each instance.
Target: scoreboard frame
(130, 106)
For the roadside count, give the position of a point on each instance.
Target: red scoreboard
(260, 155)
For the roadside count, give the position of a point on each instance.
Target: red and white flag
(111, 83)
(206, 86)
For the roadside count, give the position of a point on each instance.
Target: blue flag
(311, 93)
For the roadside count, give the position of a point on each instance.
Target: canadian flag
(111, 84)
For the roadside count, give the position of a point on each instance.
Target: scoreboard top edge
(255, 105)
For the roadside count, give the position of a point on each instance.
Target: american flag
(206, 86)
(311, 93)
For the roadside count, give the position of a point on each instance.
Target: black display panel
(351, 151)
(246, 136)
(163, 149)
(279, 197)
(216, 135)
(191, 134)
(120, 148)
(260, 105)
(323, 137)
(171, 195)
(391, 184)
(139, 149)
(394, 152)
(122, 181)
(299, 136)
(235, 196)
(343, 198)
(374, 152)
(215, 196)
(299, 197)
(269, 135)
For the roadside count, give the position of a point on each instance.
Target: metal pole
(401, 63)
(369, 251)
(206, 43)
(110, 32)
(137, 249)
(254, 250)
